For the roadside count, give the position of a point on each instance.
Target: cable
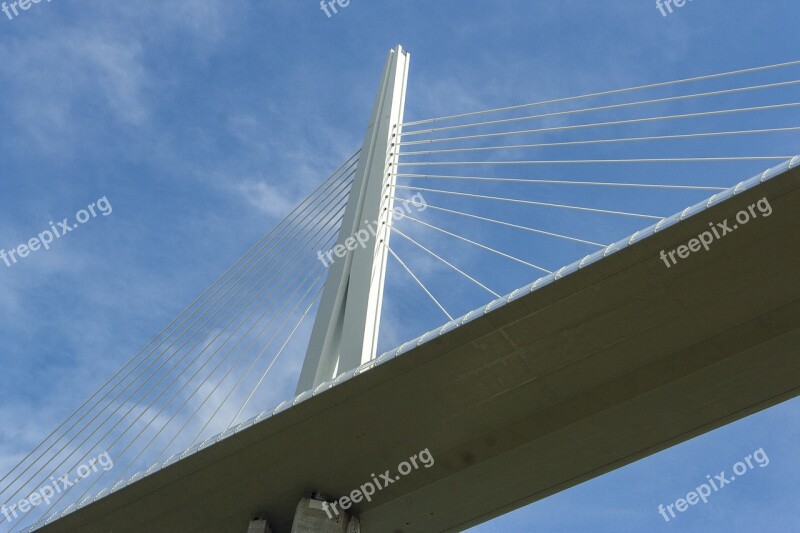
(116, 397)
(601, 108)
(508, 224)
(479, 245)
(134, 358)
(603, 124)
(264, 375)
(598, 161)
(422, 285)
(470, 278)
(530, 202)
(160, 379)
(563, 182)
(604, 93)
(210, 394)
(598, 141)
(174, 380)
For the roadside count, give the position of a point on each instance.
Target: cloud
(67, 82)
(266, 198)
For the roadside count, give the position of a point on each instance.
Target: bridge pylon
(345, 332)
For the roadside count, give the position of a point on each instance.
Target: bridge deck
(614, 362)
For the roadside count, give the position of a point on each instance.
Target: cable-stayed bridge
(569, 314)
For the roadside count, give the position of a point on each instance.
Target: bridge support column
(259, 526)
(345, 333)
(313, 516)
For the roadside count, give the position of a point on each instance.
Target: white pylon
(345, 332)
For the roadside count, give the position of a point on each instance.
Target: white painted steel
(345, 332)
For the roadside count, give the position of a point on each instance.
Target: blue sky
(204, 122)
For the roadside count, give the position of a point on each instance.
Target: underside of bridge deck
(610, 364)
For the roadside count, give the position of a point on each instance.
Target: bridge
(644, 340)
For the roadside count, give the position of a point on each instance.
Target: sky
(194, 126)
